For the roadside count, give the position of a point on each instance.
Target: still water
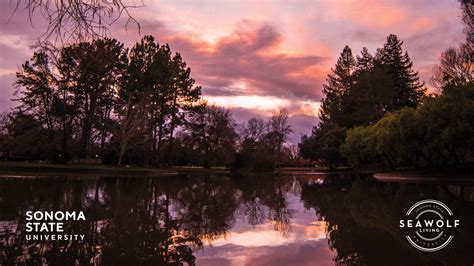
(294, 219)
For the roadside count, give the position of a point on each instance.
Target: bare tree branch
(78, 20)
(131, 122)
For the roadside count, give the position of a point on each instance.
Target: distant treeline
(100, 100)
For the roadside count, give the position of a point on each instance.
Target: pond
(293, 219)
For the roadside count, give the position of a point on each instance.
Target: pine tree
(365, 103)
(406, 88)
(365, 61)
(92, 69)
(339, 82)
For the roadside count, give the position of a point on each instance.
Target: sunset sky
(255, 56)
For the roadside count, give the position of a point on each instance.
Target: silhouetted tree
(129, 129)
(278, 130)
(212, 130)
(263, 144)
(467, 7)
(85, 91)
(456, 67)
(43, 93)
(254, 130)
(364, 61)
(405, 86)
(360, 92)
(91, 71)
(4, 134)
(183, 97)
(25, 138)
(338, 84)
(371, 96)
(164, 80)
(323, 145)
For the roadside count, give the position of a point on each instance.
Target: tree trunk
(173, 124)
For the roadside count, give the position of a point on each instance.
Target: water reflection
(362, 220)
(218, 220)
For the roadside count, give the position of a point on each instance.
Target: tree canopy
(360, 91)
(96, 97)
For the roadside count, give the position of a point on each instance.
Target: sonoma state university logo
(429, 225)
(49, 225)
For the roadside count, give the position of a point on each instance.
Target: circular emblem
(429, 225)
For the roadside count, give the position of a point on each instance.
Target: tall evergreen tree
(338, 83)
(405, 86)
(360, 92)
(183, 95)
(162, 81)
(37, 89)
(364, 61)
(365, 102)
(91, 70)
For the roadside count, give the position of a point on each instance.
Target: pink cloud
(250, 54)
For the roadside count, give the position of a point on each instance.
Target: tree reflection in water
(263, 199)
(362, 220)
(135, 221)
(165, 220)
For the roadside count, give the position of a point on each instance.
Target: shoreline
(323, 170)
(40, 169)
(450, 175)
(33, 169)
(27, 169)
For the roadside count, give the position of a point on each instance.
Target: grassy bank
(46, 168)
(50, 168)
